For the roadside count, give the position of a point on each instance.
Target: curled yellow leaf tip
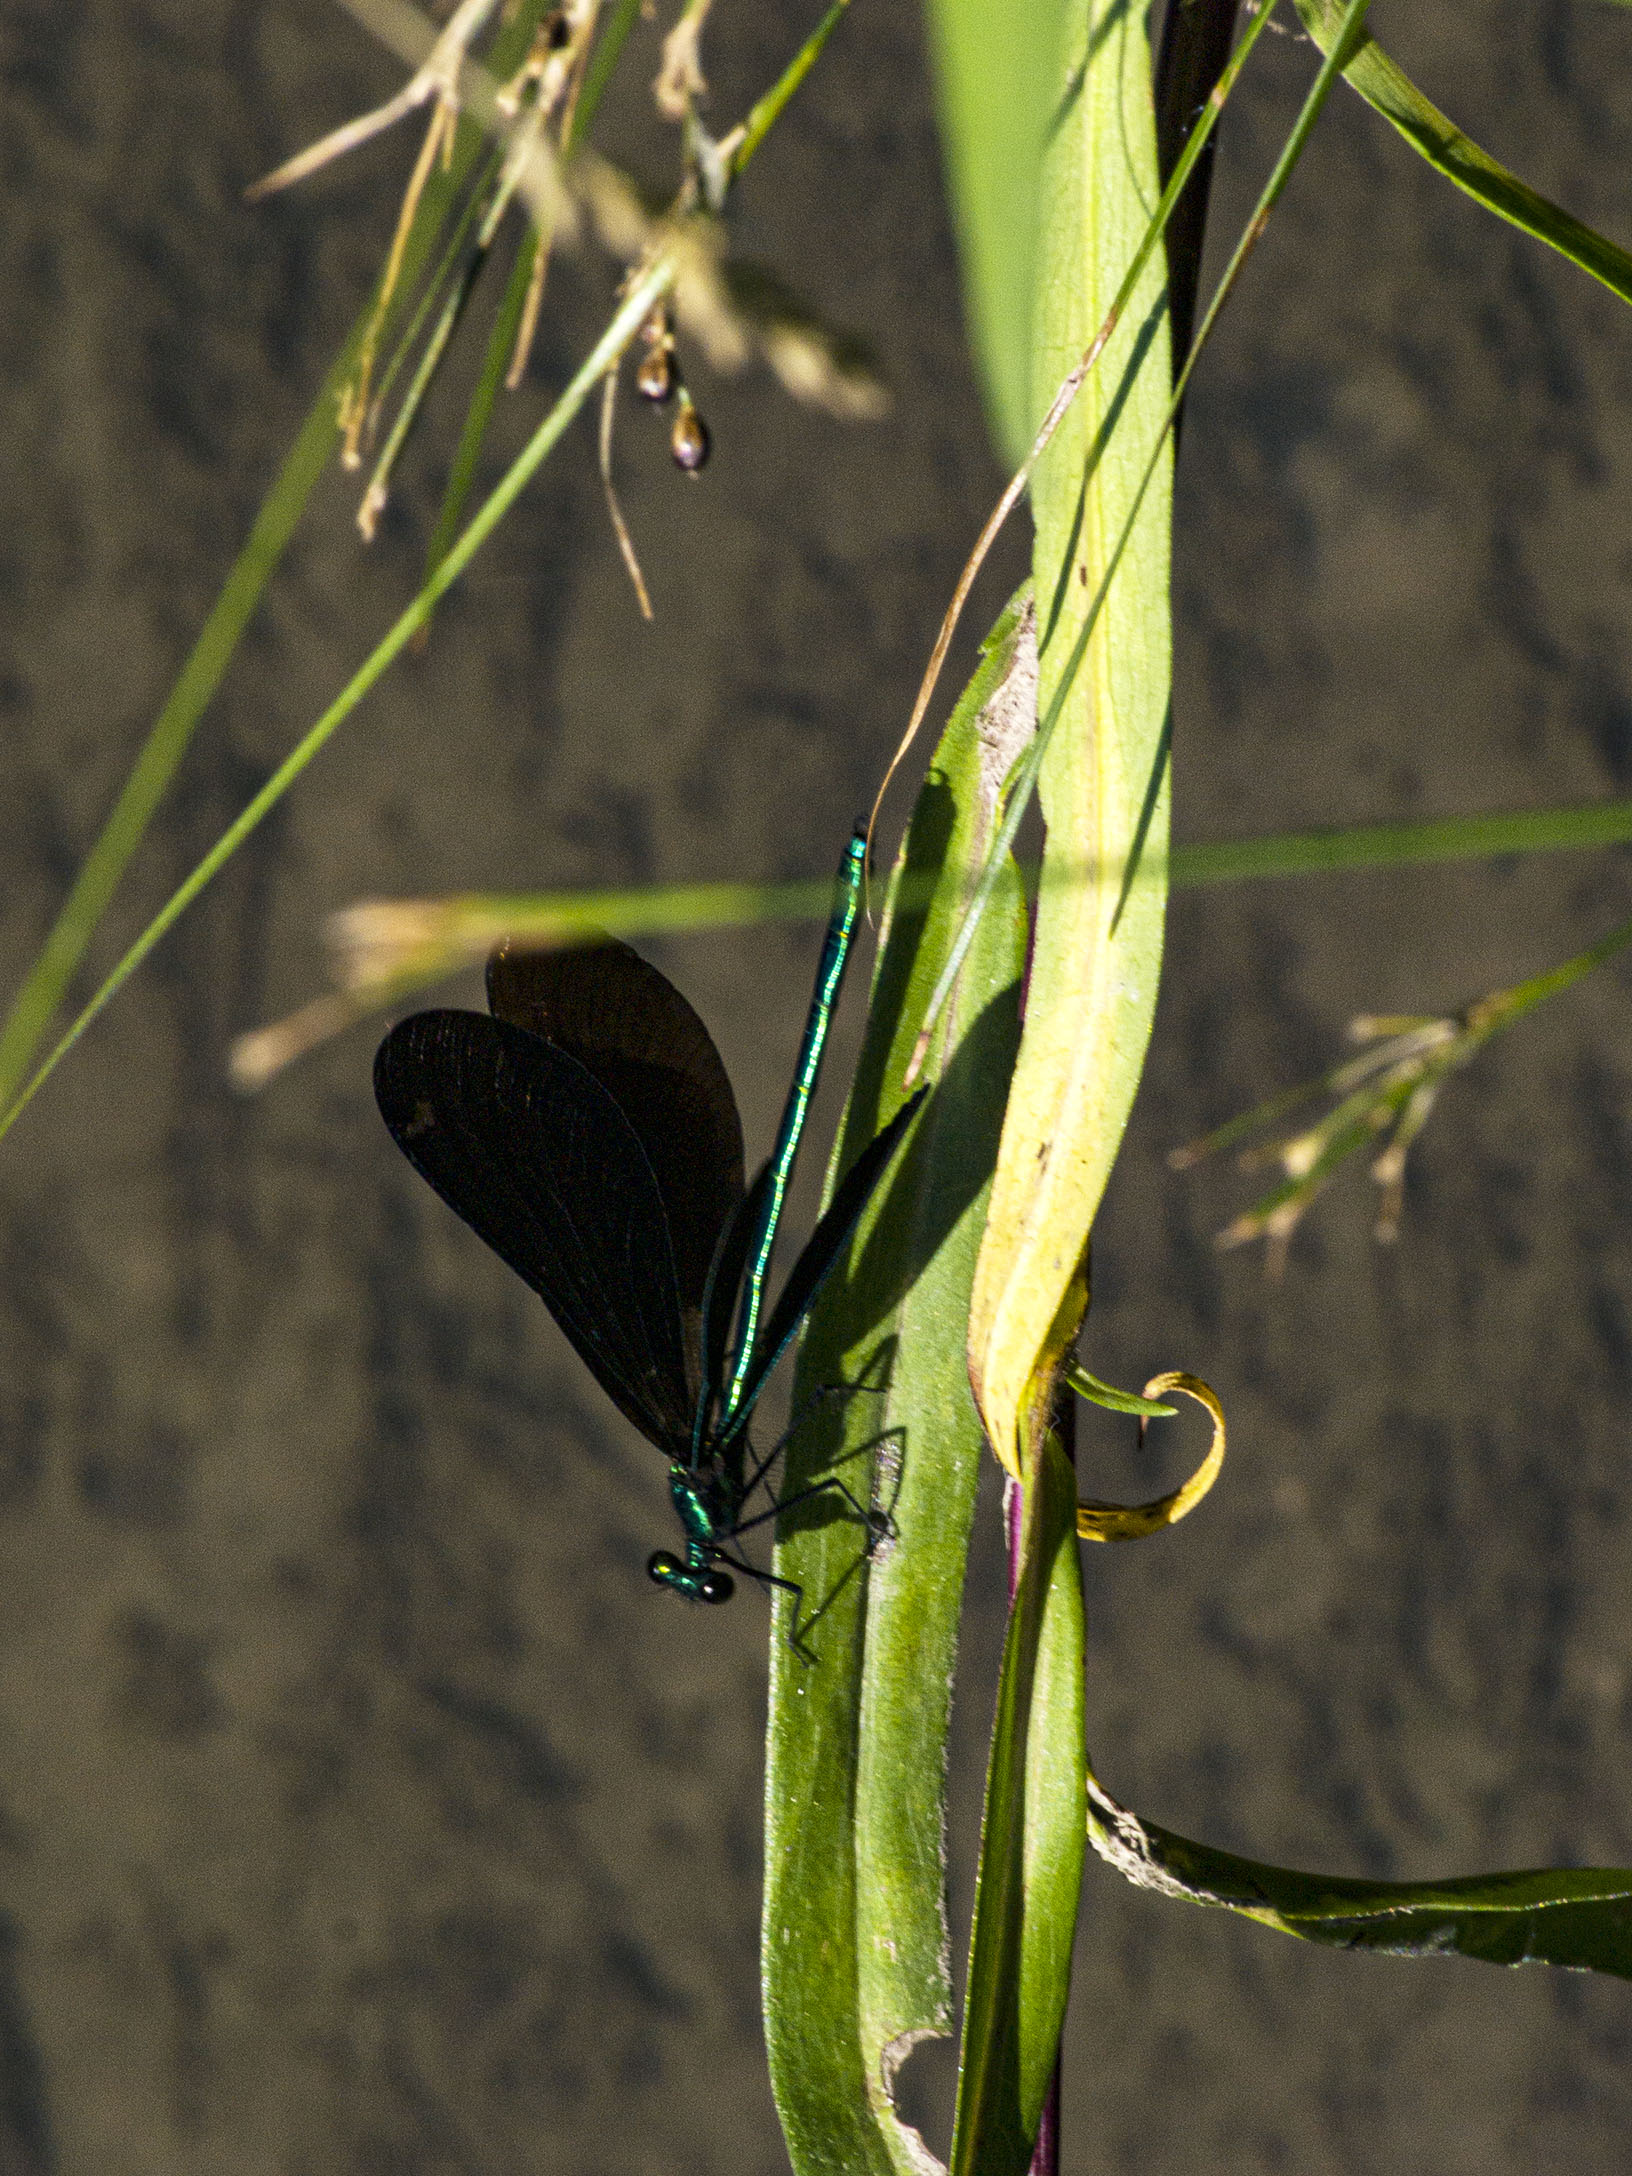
(1132, 1522)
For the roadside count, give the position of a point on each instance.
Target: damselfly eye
(716, 1586)
(661, 1567)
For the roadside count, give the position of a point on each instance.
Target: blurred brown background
(362, 1809)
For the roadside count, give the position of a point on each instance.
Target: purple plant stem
(1014, 1507)
(1045, 2155)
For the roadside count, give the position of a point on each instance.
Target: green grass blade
(603, 61)
(1192, 60)
(1385, 87)
(1578, 1917)
(479, 415)
(629, 316)
(502, 340)
(766, 111)
(47, 981)
(855, 1943)
(1032, 1844)
(437, 281)
(1392, 846)
(395, 948)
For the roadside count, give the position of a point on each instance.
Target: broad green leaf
(1386, 87)
(855, 1937)
(994, 70)
(1103, 785)
(1032, 1843)
(1023, 781)
(1579, 1917)
(923, 1246)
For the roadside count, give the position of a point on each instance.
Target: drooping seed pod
(657, 376)
(689, 440)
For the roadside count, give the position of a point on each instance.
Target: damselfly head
(665, 1569)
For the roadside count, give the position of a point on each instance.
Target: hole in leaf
(926, 2087)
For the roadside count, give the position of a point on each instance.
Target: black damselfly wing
(629, 1026)
(522, 1140)
(588, 1133)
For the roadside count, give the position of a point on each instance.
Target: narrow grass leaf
(404, 946)
(657, 277)
(1078, 1379)
(473, 432)
(47, 981)
(624, 324)
(507, 325)
(1577, 1917)
(1394, 846)
(1032, 1843)
(1389, 91)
